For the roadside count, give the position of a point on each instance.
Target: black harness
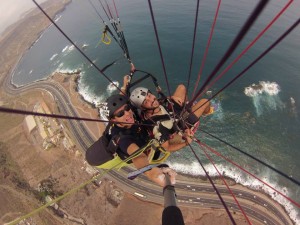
(165, 132)
(105, 148)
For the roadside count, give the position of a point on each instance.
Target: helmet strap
(151, 111)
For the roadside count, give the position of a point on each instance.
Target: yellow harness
(153, 146)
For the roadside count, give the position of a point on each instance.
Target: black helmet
(113, 103)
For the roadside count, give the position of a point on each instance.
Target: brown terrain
(31, 169)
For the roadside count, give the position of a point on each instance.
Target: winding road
(200, 195)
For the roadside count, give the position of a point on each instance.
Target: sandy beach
(25, 164)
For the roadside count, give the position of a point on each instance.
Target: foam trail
(65, 48)
(68, 71)
(68, 49)
(293, 108)
(264, 96)
(257, 104)
(84, 46)
(57, 18)
(293, 102)
(218, 114)
(52, 57)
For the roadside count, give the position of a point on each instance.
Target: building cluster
(47, 131)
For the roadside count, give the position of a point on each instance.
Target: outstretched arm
(126, 81)
(173, 147)
(157, 175)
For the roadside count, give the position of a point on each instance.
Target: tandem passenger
(122, 121)
(172, 135)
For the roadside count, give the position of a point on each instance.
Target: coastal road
(188, 193)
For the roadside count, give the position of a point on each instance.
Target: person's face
(150, 101)
(123, 115)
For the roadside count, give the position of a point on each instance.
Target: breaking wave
(84, 91)
(57, 18)
(65, 70)
(52, 57)
(264, 96)
(68, 49)
(263, 87)
(234, 173)
(112, 86)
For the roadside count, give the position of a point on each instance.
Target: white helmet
(138, 96)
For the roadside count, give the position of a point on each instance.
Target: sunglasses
(122, 112)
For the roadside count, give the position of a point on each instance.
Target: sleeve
(125, 142)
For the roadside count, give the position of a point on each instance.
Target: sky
(11, 10)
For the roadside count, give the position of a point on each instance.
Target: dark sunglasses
(122, 112)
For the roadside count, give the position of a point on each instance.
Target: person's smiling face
(124, 115)
(150, 102)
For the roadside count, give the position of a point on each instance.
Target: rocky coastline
(11, 55)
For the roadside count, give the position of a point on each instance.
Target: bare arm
(157, 175)
(177, 146)
(140, 161)
(173, 147)
(126, 81)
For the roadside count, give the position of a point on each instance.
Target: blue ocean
(259, 113)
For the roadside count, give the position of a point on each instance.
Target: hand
(126, 80)
(158, 176)
(172, 174)
(188, 136)
(132, 68)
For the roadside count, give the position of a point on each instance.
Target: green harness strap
(118, 163)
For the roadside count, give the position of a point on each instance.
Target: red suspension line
(207, 48)
(116, 8)
(214, 186)
(247, 48)
(159, 47)
(224, 181)
(104, 9)
(108, 8)
(257, 178)
(193, 48)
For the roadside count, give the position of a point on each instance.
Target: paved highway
(189, 194)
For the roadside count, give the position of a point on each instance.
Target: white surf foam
(57, 18)
(68, 49)
(66, 70)
(84, 46)
(240, 177)
(264, 87)
(37, 40)
(84, 91)
(112, 86)
(264, 96)
(293, 102)
(293, 107)
(52, 57)
(65, 48)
